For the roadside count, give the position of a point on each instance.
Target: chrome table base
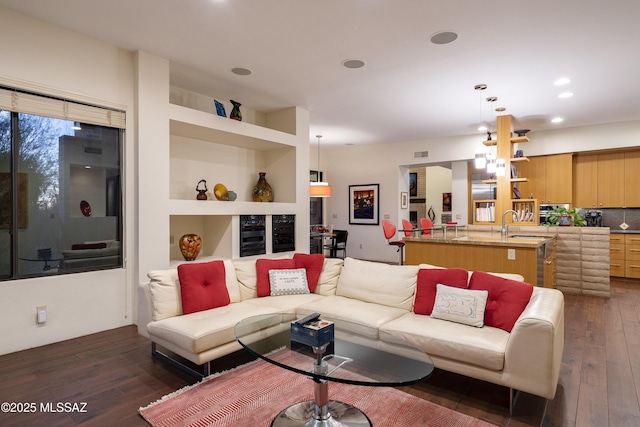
(335, 414)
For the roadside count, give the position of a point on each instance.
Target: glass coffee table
(355, 356)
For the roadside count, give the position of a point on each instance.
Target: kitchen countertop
(612, 231)
(488, 239)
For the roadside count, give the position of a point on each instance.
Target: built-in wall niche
(237, 167)
(216, 232)
(283, 120)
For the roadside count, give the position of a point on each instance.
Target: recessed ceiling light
(241, 71)
(482, 128)
(443, 37)
(565, 95)
(353, 63)
(557, 120)
(562, 81)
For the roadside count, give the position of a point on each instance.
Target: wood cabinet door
(558, 178)
(611, 180)
(632, 179)
(533, 170)
(585, 181)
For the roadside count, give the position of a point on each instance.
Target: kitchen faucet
(505, 228)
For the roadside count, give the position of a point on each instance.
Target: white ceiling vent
(419, 154)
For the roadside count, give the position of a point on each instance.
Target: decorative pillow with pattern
(288, 282)
(460, 305)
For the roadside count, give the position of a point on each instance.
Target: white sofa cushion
(284, 303)
(484, 347)
(370, 315)
(164, 289)
(375, 282)
(328, 281)
(204, 330)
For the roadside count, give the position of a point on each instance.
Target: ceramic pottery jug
(262, 192)
(202, 194)
(190, 246)
(235, 112)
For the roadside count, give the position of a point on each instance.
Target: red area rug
(253, 394)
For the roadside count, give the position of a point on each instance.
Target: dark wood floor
(114, 374)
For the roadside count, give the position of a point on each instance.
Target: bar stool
(426, 225)
(390, 232)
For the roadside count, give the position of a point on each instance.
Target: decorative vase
(190, 246)
(262, 192)
(235, 112)
(202, 194)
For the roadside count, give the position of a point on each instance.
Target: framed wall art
(413, 184)
(404, 200)
(364, 204)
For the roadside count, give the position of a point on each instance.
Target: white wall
(385, 164)
(41, 57)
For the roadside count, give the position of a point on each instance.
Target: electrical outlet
(334, 216)
(511, 254)
(387, 216)
(458, 216)
(360, 245)
(41, 314)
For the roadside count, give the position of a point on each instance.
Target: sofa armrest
(534, 350)
(144, 309)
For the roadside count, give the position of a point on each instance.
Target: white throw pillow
(288, 281)
(460, 305)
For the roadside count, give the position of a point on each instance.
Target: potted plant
(566, 217)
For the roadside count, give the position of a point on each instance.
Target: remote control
(307, 319)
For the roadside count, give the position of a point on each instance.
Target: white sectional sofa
(374, 295)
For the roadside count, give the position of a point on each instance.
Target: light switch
(511, 254)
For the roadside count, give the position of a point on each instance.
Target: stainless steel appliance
(592, 216)
(545, 209)
(283, 233)
(252, 235)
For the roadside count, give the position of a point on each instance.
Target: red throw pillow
(202, 286)
(313, 264)
(428, 278)
(262, 273)
(507, 299)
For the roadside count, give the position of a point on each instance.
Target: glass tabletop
(355, 356)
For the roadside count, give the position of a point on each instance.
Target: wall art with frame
(404, 200)
(364, 204)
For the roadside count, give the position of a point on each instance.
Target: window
(60, 187)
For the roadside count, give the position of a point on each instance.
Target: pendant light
(320, 188)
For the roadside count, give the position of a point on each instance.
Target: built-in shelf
(489, 181)
(527, 211)
(519, 180)
(520, 139)
(518, 159)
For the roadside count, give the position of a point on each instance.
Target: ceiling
(410, 88)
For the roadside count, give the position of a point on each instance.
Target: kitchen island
(533, 257)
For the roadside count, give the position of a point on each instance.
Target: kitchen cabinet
(617, 255)
(549, 178)
(632, 179)
(599, 180)
(632, 255)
